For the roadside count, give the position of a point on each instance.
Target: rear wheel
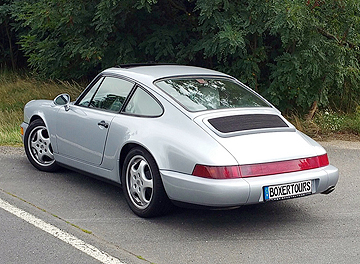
(38, 147)
(142, 185)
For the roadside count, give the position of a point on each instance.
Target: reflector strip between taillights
(262, 169)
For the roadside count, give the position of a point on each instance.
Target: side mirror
(63, 99)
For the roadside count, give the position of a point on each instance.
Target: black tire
(142, 185)
(38, 147)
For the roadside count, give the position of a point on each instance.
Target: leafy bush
(330, 121)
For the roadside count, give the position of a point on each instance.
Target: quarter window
(143, 104)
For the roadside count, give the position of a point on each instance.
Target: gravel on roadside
(341, 144)
(11, 151)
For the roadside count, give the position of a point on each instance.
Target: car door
(82, 129)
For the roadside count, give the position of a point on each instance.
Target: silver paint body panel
(178, 140)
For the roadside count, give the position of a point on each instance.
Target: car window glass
(198, 94)
(85, 101)
(141, 103)
(111, 94)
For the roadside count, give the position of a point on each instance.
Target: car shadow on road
(265, 213)
(279, 211)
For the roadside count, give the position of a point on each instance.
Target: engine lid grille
(229, 124)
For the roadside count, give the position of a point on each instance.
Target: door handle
(103, 123)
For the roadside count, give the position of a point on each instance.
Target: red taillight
(262, 169)
(213, 172)
(323, 160)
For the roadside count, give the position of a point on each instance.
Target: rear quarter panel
(175, 141)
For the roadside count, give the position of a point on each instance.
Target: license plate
(286, 191)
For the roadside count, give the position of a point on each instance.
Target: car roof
(155, 72)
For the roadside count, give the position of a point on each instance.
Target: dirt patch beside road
(342, 144)
(10, 151)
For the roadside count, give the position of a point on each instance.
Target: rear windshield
(199, 94)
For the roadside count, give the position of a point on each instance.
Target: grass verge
(16, 90)
(328, 124)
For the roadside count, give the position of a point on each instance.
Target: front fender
(45, 110)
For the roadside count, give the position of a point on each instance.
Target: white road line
(58, 233)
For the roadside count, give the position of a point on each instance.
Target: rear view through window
(198, 94)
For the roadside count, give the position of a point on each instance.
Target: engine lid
(269, 147)
(258, 136)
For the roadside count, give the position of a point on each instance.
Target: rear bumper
(235, 192)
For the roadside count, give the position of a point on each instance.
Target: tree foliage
(10, 55)
(297, 53)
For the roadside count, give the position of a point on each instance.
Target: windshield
(198, 94)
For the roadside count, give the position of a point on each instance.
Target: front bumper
(23, 126)
(190, 189)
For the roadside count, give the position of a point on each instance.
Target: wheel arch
(36, 117)
(49, 122)
(126, 149)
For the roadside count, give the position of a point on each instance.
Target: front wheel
(142, 185)
(38, 147)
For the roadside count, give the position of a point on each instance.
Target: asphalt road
(313, 229)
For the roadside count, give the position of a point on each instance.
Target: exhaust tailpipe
(329, 190)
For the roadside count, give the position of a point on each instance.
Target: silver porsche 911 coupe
(177, 134)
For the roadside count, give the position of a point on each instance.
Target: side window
(141, 103)
(111, 94)
(85, 101)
